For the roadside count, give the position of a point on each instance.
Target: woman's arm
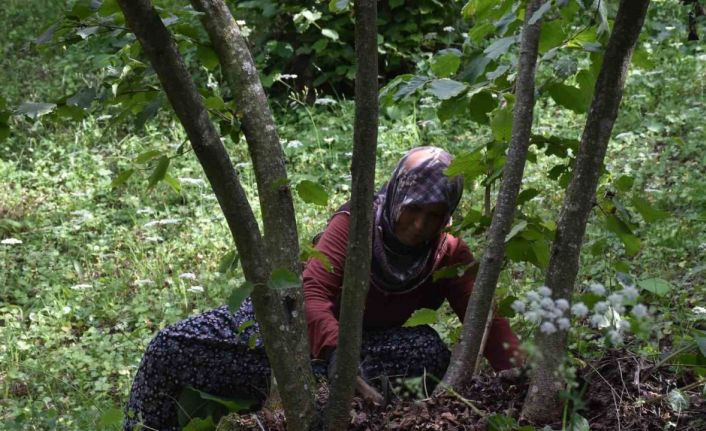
(502, 346)
(322, 289)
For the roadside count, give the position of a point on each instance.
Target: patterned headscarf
(418, 179)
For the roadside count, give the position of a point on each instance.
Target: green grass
(95, 276)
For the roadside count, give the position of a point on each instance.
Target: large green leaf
(423, 316)
(475, 69)
(410, 87)
(446, 88)
(446, 63)
(501, 124)
(476, 8)
(159, 171)
(648, 212)
(517, 228)
(499, 47)
(122, 178)
(539, 13)
(35, 110)
(630, 241)
(551, 35)
(454, 107)
(467, 164)
(238, 295)
(568, 97)
(312, 193)
(147, 156)
(480, 30)
(481, 104)
(207, 56)
(657, 286)
(282, 278)
(309, 252)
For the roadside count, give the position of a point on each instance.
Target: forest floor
(621, 391)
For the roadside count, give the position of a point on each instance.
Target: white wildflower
(518, 306)
(544, 291)
(448, 29)
(155, 238)
(294, 144)
(187, 276)
(598, 289)
(597, 320)
(81, 286)
(196, 289)
(615, 299)
(563, 323)
(162, 222)
(548, 328)
(630, 293)
(143, 282)
(192, 181)
(623, 325)
(562, 304)
(533, 296)
(547, 303)
(600, 307)
(615, 337)
(639, 310)
(579, 309)
(11, 241)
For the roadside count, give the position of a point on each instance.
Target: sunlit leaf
(515, 230)
(147, 156)
(657, 286)
(423, 316)
(624, 183)
(122, 178)
(499, 47)
(480, 30)
(501, 124)
(159, 171)
(111, 418)
(331, 34)
(172, 182)
(312, 193)
(35, 110)
(309, 252)
(283, 278)
(568, 97)
(454, 107)
(446, 63)
(337, 6)
(410, 87)
(446, 88)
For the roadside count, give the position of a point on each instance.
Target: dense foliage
(95, 260)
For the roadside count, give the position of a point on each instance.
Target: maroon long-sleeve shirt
(322, 293)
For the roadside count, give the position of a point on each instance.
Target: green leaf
(624, 183)
(214, 102)
(331, 34)
(35, 110)
(4, 132)
(445, 63)
(451, 271)
(283, 278)
(481, 104)
(505, 307)
(312, 193)
(501, 124)
(568, 97)
(238, 295)
(551, 35)
(337, 6)
(540, 249)
(147, 156)
(111, 418)
(467, 164)
(108, 7)
(648, 212)
(454, 107)
(159, 171)
(232, 404)
(173, 183)
(515, 230)
(207, 56)
(579, 423)
(501, 423)
(309, 252)
(423, 316)
(539, 13)
(410, 87)
(499, 47)
(527, 195)
(122, 178)
(631, 242)
(657, 286)
(476, 7)
(480, 30)
(228, 262)
(475, 69)
(199, 424)
(446, 88)
(641, 59)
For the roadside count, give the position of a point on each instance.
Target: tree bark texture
(543, 403)
(464, 358)
(280, 314)
(356, 278)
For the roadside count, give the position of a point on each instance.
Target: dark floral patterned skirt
(220, 353)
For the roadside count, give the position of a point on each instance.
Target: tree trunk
(543, 403)
(356, 279)
(287, 349)
(280, 312)
(463, 360)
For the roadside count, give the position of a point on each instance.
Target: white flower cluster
(551, 314)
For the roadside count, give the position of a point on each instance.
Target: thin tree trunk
(280, 313)
(463, 360)
(543, 403)
(286, 349)
(356, 279)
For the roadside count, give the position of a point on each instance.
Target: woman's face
(419, 224)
